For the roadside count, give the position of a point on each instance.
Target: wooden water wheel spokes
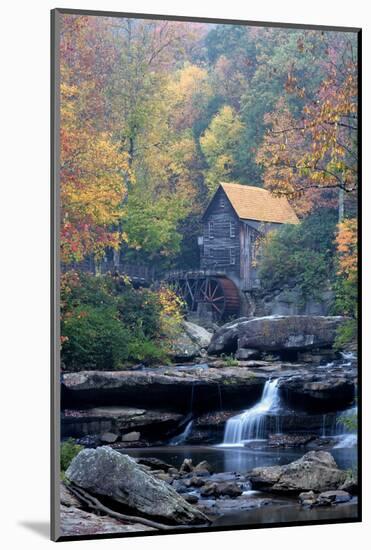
(219, 292)
(211, 292)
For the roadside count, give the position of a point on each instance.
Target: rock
(67, 498)
(315, 391)
(109, 437)
(76, 522)
(173, 472)
(225, 339)
(208, 489)
(89, 441)
(350, 485)
(164, 477)
(198, 334)
(195, 482)
(156, 464)
(329, 498)
(276, 333)
(247, 353)
(290, 332)
(290, 300)
(181, 486)
(308, 387)
(187, 466)
(191, 498)
(315, 471)
(109, 473)
(191, 342)
(227, 488)
(184, 348)
(202, 468)
(289, 440)
(91, 421)
(308, 498)
(131, 436)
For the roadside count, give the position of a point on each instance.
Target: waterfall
(346, 438)
(251, 423)
(181, 438)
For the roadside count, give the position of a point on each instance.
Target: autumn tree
(347, 283)
(219, 144)
(317, 149)
(92, 167)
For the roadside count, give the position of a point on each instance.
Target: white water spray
(181, 438)
(251, 423)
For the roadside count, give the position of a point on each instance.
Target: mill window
(211, 230)
(232, 256)
(232, 229)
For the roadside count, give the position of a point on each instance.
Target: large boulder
(225, 339)
(190, 342)
(289, 332)
(315, 471)
(108, 473)
(199, 335)
(276, 333)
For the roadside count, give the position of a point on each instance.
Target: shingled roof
(255, 203)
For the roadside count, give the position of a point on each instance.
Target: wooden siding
(229, 243)
(221, 245)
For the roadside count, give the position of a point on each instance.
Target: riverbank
(223, 486)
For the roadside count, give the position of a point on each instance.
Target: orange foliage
(92, 168)
(318, 150)
(346, 242)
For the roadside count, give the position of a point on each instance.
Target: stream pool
(257, 507)
(237, 459)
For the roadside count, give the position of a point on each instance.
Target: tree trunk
(341, 204)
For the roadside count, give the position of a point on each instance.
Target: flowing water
(237, 459)
(251, 423)
(347, 438)
(181, 438)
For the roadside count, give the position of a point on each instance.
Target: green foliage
(349, 421)
(219, 145)
(229, 360)
(300, 255)
(68, 450)
(150, 226)
(346, 303)
(106, 323)
(96, 338)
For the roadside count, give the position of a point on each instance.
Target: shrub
(69, 449)
(94, 338)
(229, 360)
(106, 323)
(300, 255)
(349, 421)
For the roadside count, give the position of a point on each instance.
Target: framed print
(205, 282)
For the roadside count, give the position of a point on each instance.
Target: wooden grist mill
(233, 224)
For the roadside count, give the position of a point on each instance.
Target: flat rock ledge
(174, 388)
(77, 522)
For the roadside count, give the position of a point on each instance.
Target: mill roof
(255, 203)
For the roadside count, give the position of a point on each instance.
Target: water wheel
(218, 292)
(222, 296)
